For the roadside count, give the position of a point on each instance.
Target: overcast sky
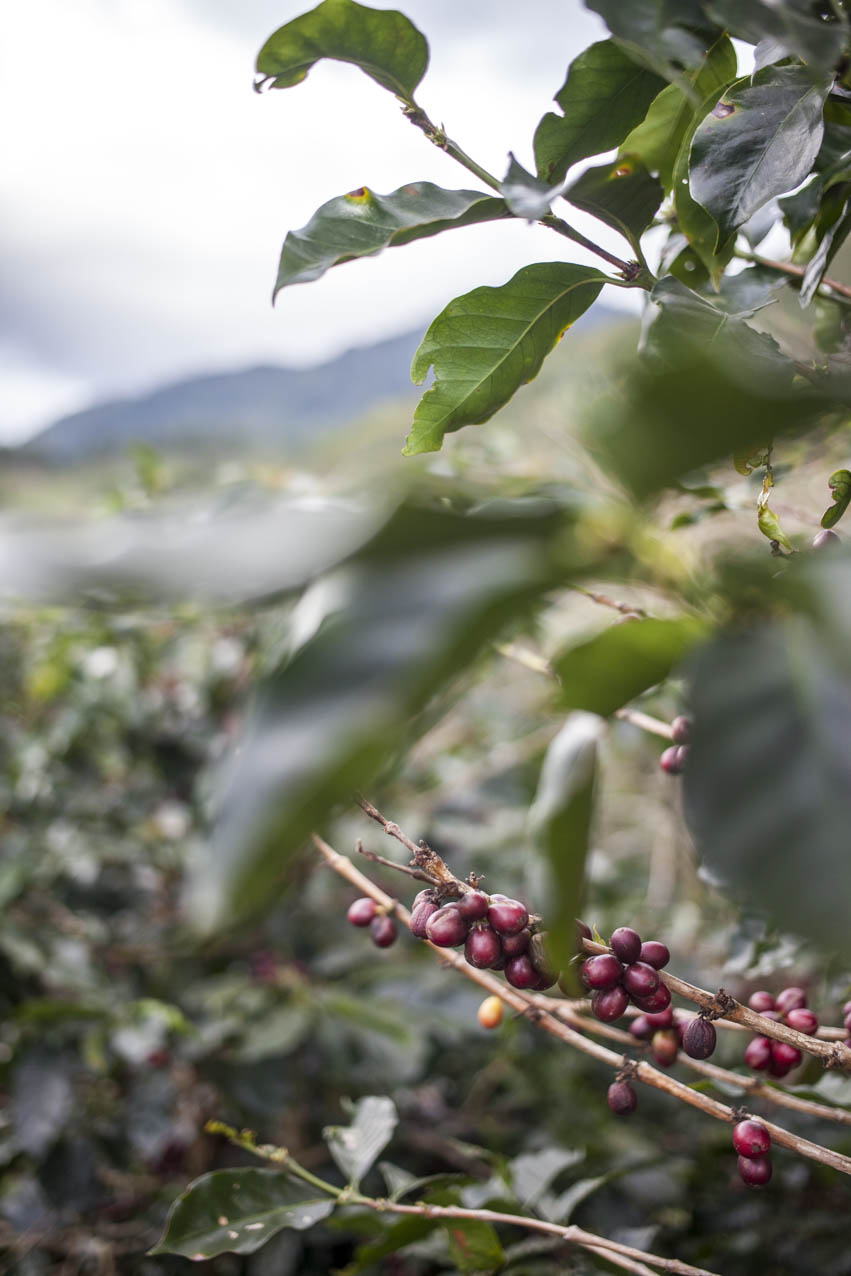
(146, 189)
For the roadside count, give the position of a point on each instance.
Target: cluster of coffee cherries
(673, 759)
(764, 1054)
(670, 1031)
(382, 927)
(494, 931)
(752, 1141)
(630, 972)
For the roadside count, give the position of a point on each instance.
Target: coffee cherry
(773, 1015)
(665, 1046)
(669, 760)
(507, 916)
(803, 1020)
(758, 1053)
(514, 945)
(446, 928)
(826, 539)
(420, 916)
(603, 971)
(423, 897)
(482, 947)
(641, 1028)
(520, 972)
(609, 1003)
(625, 943)
(663, 1019)
(583, 931)
(499, 964)
(656, 1002)
(750, 1138)
(640, 980)
(755, 1170)
(790, 999)
(473, 905)
(681, 729)
(699, 1039)
(383, 931)
(621, 1098)
(846, 1009)
(655, 954)
(489, 1013)
(785, 1056)
(682, 756)
(362, 911)
(761, 1001)
(546, 979)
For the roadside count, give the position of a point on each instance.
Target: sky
(146, 189)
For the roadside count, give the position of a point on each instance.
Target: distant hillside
(271, 407)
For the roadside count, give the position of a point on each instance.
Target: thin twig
(647, 723)
(418, 873)
(796, 272)
(603, 600)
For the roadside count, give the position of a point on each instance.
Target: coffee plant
(208, 729)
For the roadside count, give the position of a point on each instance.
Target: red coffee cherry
(514, 945)
(761, 1001)
(383, 931)
(603, 971)
(785, 1056)
(656, 1002)
(669, 760)
(640, 980)
(507, 916)
(420, 916)
(758, 1053)
(362, 911)
(655, 954)
(473, 905)
(803, 1020)
(422, 897)
(610, 1003)
(681, 729)
(641, 1028)
(482, 947)
(665, 1046)
(446, 928)
(699, 1039)
(664, 1018)
(625, 943)
(755, 1170)
(621, 1098)
(790, 999)
(520, 972)
(750, 1138)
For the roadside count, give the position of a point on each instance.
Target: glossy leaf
(236, 1211)
(604, 96)
(621, 194)
(665, 35)
(473, 1245)
(758, 141)
(357, 1147)
(382, 42)
(693, 220)
(408, 611)
(607, 671)
(768, 785)
(829, 245)
(656, 141)
(527, 196)
(791, 27)
(363, 223)
(489, 342)
(560, 824)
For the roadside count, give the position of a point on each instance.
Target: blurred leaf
(604, 96)
(533, 1172)
(561, 1209)
(607, 671)
(829, 246)
(621, 194)
(768, 785)
(397, 1235)
(769, 525)
(236, 1211)
(759, 141)
(279, 1032)
(42, 1099)
(793, 27)
(362, 223)
(840, 488)
(382, 42)
(525, 195)
(665, 35)
(487, 343)
(473, 1245)
(356, 1147)
(559, 825)
(656, 141)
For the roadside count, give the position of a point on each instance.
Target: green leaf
(793, 26)
(604, 95)
(397, 1235)
(621, 194)
(693, 220)
(237, 1211)
(487, 343)
(686, 321)
(525, 195)
(410, 610)
(533, 1172)
(357, 1147)
(362, 223)
(382, 42)
(665, 35)
(559, 825)
(612, 668)
(840, 489)
(473, 1245)
(656, 141)
(768, 785)
(758, 141)
(829, 246)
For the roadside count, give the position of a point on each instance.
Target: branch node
(721, 1006)
(628, 1071)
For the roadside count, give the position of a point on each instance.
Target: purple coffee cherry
(790, 999)
(665, 1046)
(681, 729)
(546, 979)
(750, 1138)
(420, 916)
(669, 760)
(663, 1019)
(514, 945)
(641, 980)
(482, 947)
(641, 1028)
(758, 1053)
(772, 1015)
(520, 972)
(625, 943)
(656, 1002)
(699, 1039)
(446, 928)
(621, 1098)
(423, 897)
(785, 1056)
(803, 1020)
(362, 911)
(826, 539)
(761, 1001)
(473, 905)
(655, 954)
(603, 971)
(755, 1170)
(383, 931)
(507, 916)
(609, 1004)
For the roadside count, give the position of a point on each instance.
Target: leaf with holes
(621, 194)
(363, 223)
(237, 1211)
(357, 1147)
(382, 42)
(489, 342)
(758, 141)
(604, 96)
